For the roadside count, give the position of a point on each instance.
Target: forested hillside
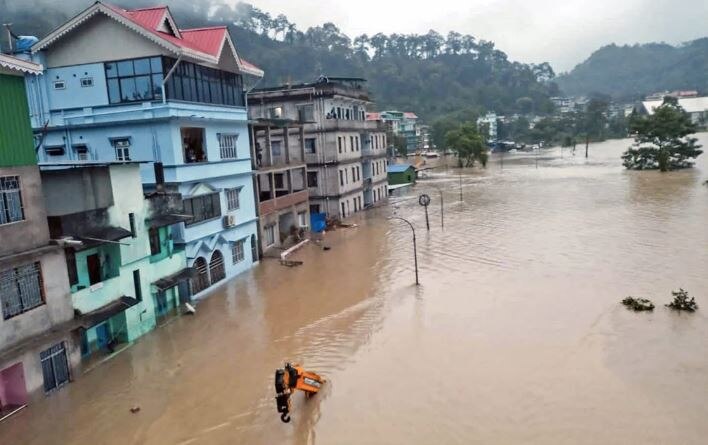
(430, 74)
(631, 72)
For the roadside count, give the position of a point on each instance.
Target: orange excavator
(290, 378)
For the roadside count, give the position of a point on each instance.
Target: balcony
(349, 125)
(282, 202)
(97, 296)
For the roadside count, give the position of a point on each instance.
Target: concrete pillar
(286, 144)
(269, 148)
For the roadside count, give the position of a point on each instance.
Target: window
(353, 174)
(136, 285)
(227, 145)
(351, 143)
(269, 235)
(306, 113)
(55, 150)
(339, 143)
(339, 112)
(86, 82)
(134, 80)
(341, 178)
(357, 143)
(81, 151)
(155, 244)
(122, 147)
(276, 148)
(312, 179)
(279, 180)
(131, 220)
(310, 145)
(59, 85)
(237, 254)
(344, 213)
(195, 83)
(302, 219)
(55, 368)
(11, 209)
(275, 112)
(202, 207)
(193, 145)
(232, 199)
(314, 208)
(21, 289)
(71, 266)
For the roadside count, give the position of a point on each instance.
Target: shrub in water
(638, 304)
(682, 302)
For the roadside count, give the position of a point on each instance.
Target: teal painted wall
(16, 143)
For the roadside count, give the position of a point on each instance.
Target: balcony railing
(283, 202)
(349, 125)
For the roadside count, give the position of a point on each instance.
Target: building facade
(402, 123)
(37, 350)
(345, 153)
(130, 85)
(125, 271)
(278, 153)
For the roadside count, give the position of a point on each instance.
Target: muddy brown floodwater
(516, 334)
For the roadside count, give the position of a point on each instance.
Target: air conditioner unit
(229, 220)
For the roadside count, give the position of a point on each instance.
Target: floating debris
(326, 248)
(291, 263)
(682, 302)
(638, 304)
(135, 409)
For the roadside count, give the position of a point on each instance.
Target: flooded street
(515, 335)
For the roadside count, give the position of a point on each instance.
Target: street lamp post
(415, 251)
(424, 200)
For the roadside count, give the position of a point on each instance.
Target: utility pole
(415, 251)
(587, 143)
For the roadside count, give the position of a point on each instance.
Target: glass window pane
(127, 89)
(113, 91)
(111, 70)
(143, 87)
(125, 68)
(156, 86)
(142, 66)
(156, 64)
(186, 88)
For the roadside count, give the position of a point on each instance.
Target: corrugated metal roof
(208, 40)
(690, 104)
(398, 168)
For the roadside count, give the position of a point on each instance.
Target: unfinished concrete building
(345, 153)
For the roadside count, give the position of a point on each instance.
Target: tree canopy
(469, 144)
(662, 140)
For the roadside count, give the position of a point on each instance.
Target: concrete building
(345, 153)
(124, 270)
(696, 107)
(278, 153)
(37, 351)
(401, 123)
(130, 85)
(490, 121)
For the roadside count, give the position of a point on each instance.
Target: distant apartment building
(424, 141)
(130, 85)
(278, 153)
(124, 270)
(345, 154)
(489, 121)
(400, 123)
(37, 350)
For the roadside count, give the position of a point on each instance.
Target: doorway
(93, 263)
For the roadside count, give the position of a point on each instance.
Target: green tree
(662, 140)
(399, 143)
(469, 144)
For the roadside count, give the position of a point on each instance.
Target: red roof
(204, 40)
(409, 115)
(373, 116)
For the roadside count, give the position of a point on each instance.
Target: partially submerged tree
(682, 302)
(662, 139)
(638, 304)
(469, 144)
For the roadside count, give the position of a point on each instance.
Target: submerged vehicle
(290, 378)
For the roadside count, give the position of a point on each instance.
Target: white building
(696, 107)
(490, 120)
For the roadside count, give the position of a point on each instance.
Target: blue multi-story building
(129, 85)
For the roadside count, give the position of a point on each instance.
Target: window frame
(153, 75)
(154, 240)
(238, 251)
(12, 275)
(5, 201)
(228, 151)
(233, 198)
(203, 216)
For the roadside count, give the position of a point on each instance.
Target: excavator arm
(290, 378)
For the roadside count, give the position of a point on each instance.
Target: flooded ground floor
(515, 335)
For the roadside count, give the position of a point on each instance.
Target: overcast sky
(563, 33)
